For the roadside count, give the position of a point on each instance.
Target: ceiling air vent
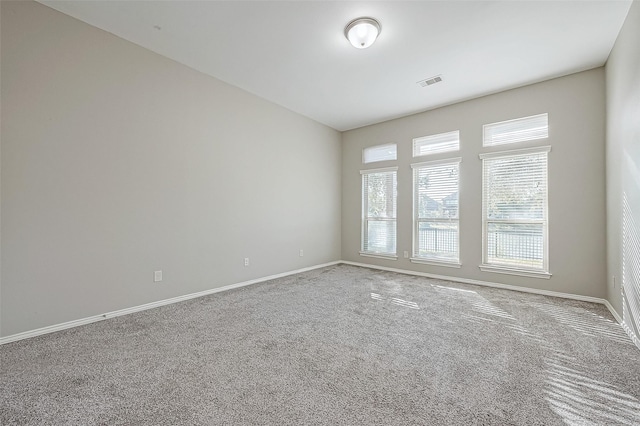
(430, 81)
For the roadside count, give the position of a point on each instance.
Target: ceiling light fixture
(362, 32)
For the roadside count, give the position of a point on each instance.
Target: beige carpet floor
(341, 345)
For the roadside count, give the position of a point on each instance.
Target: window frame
(485, 144)
(416, 220)
(435, 136)
(521, 271)
(365, 218)
(393, 144)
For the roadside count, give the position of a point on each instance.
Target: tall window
(379, 212)
(436, 220)
(515, 212)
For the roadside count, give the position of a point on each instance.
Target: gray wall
(576, 179)
(117, 162)
(623, 159)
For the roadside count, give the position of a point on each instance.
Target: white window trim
(415, 223)
(362, 218)
(446, 264)
(384, 169)
(531, 273)
(514, 152)
(436, 162)
(379, 255)
(516, 271)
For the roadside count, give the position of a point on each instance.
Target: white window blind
(518, 130)
(515, 211)
(630, 271)
(434, 144)
(436, 224)
(379, 212)
(379, 153)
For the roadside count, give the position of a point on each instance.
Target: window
(435, 144)
(518, 130)
(379, 212)
(515, 212)
(379, 153)
(435, 201)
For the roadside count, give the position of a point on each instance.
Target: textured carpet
(339, 345)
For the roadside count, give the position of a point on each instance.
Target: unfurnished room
(320, 212)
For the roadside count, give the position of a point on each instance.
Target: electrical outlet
(246, 261)
(406, 254)
(301, 252)
(157, 276)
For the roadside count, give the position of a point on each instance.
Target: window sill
(379, 255)
(435, 262)
(512, 271)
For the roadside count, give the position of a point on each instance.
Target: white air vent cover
(430, 81)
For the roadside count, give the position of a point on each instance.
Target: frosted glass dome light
(362, 32)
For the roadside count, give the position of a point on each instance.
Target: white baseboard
(486, 284)
(630, 333)
(604, 302)
(126, 311)
(629, 329)
(497, 285)
(615, 313)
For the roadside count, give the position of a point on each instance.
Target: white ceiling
(295, 53)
